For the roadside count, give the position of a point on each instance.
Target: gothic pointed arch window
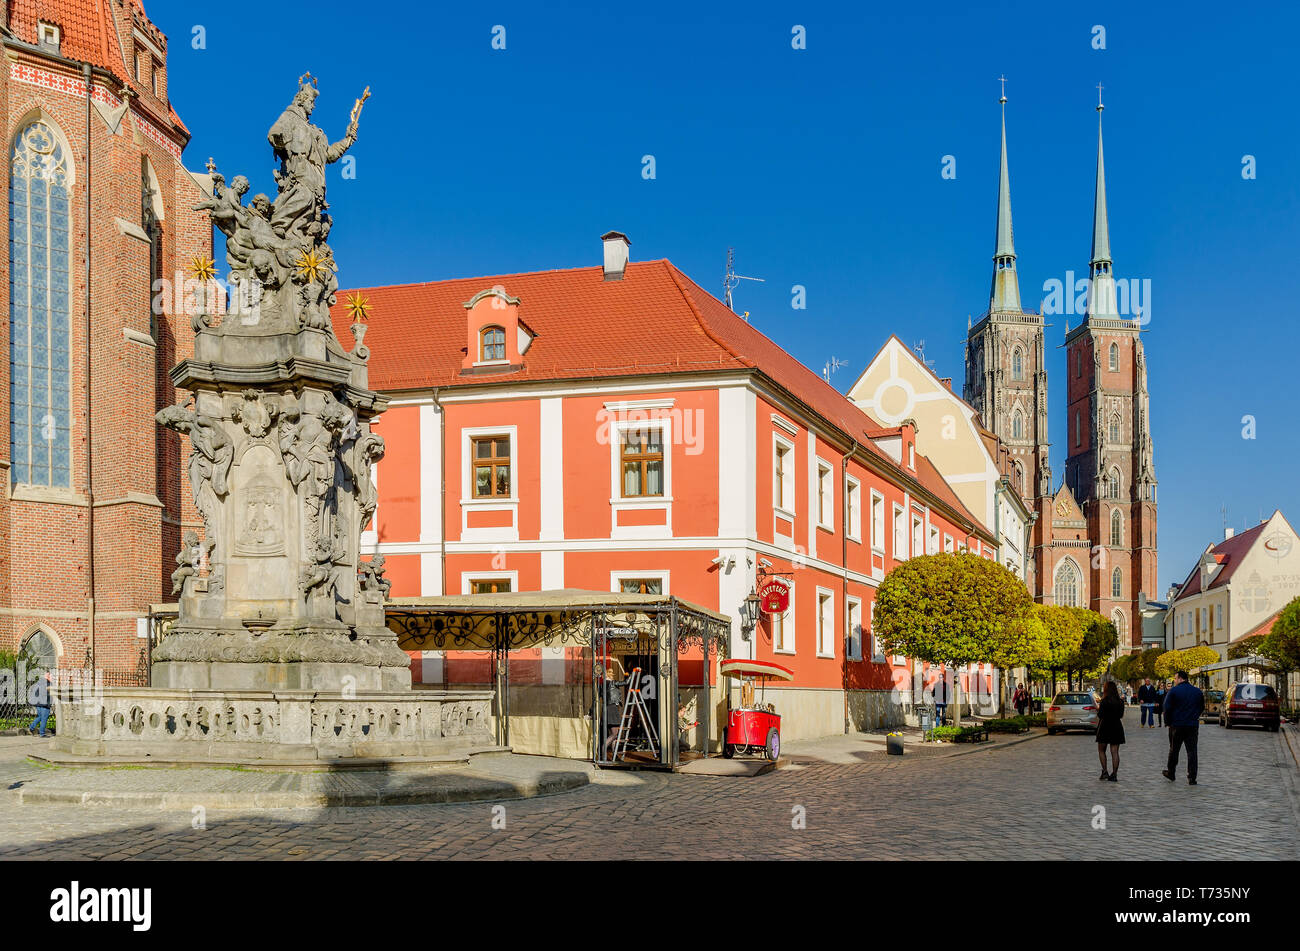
(1067, 583)
(1017, 425)
(1117, 583)
(1017, 364)
(1121, 625)
(41, 650)
(1116, 528)
(1114, 356)
(1020, 478)
(1114, 428)
(40, 306)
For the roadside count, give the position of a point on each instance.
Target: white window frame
(825, 493)
(619, 503)
(825, 624)
(877, 653)
(503, 533)
(948, 543)
(617, 577)
(853, 511)
(786, 643)
(932, 546)
(853, 628)
(900, 533)
(467, 576)
(918, 544)
(877, 524)
(1218, 617)
(783, 480)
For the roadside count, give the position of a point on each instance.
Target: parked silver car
(1072, 710)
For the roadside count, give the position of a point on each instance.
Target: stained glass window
(40, 308)
(1067, 584)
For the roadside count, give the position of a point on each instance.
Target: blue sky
(822, 168)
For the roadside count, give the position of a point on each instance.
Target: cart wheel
(728, 751)
(773, 744)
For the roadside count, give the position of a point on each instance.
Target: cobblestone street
(1034, 799)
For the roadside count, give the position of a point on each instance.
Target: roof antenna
(833, 364)
(919, 349)
(731, 280)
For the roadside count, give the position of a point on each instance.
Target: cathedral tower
(1006, 380)
(1109, 465)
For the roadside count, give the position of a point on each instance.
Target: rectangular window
(853, 511)
(918, 536)
(1218, 617)
(878, 522)
(643, 463)
(155, 68)
(641, 585)
(933, 548)
(825, 496)
(877, 651)
(947, 544)
(855, 629)
(825, 624)
(491, 460)
(900, 534)
(489, 585)
(783, 476)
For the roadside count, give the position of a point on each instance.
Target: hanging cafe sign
(774, 596)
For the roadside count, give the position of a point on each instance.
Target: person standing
(939, 691)
(39, 696)
(1147, 697)
(1021, 699)
(1110, 729)
(1183, 708)
(1162, 692)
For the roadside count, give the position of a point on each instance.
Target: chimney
(616, 254)
(947, 381)
(1227, 532)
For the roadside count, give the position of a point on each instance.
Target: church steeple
(1004, 296)
(1101, 292)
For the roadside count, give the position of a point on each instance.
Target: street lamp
(749, 611)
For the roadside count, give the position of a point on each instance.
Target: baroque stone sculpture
(281, 451)
(280, 653)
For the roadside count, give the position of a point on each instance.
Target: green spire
(1100, 226)
(1101, 292)
(1004, 296)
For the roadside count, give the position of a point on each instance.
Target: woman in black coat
(1110, 730)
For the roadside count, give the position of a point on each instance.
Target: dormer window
(492, 344)
(48, 35)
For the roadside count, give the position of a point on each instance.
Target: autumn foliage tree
(956, 609)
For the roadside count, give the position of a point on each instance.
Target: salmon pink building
(617, 428)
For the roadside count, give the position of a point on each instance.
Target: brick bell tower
(1109, 464)
(1006, 378)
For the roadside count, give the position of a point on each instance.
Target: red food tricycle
(754, 727)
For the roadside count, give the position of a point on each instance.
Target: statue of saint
(304, 150)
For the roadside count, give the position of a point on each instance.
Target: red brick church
(100, 207)
(1094, 538)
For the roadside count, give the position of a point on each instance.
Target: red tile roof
(1229, 553)
(88, 34)
(654, 320)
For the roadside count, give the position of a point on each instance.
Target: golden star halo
(202, 268)
(359, 307)
(311, 265)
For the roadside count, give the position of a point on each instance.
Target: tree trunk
(956, 696)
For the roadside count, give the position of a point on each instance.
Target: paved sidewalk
(870, 747)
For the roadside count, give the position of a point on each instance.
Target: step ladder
(634, 705)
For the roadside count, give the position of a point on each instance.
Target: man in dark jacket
(1147, 697)
(1183, 707)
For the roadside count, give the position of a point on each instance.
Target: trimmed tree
(1122, 668)
(1146, 667)
(952, 609)
(1064, 638)
(1100, 638)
